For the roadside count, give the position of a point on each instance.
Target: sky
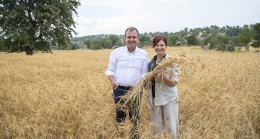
(114, 16)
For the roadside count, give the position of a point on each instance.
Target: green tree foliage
(97, 45)
(88, 43)
(220, 42)
(145, 40)
(256, 35)
(232, 31)
(107, 43)
(2, 48)
(173, 40)
(224, 39)
(192, 39)
(74, 46)
(114, 39)
(234, 41)
(37, 24)
(245, 37)
(95, 42)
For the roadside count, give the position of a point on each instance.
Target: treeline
(34, 26)
(225, 38)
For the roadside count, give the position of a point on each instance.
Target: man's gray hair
(131, 28)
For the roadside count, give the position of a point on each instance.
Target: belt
(124, 87)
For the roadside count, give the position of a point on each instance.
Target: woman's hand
(159, 75)
(150, 76)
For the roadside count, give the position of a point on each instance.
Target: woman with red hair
(164, 95)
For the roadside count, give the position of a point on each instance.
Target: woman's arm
(161, 76)
(172, 79)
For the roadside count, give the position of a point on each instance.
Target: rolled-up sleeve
(112, 65)
(145, 65)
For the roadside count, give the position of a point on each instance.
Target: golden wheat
(61, 95)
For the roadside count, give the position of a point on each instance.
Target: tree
(173, 39)
(192, 39)
(233, 31)
(145, 40)
(107, 43)
(245, 37)
(114, 39)
(256, 35)
(31, 25)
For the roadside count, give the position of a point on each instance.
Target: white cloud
(113, 16)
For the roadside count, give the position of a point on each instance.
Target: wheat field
(67, 95)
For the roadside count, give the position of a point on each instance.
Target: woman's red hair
(158, 38)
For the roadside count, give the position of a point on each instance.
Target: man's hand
(113, 81)
(114, 84)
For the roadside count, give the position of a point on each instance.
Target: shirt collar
(131, 52)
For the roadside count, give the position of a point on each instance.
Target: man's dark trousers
(121, 115)
(118, 94)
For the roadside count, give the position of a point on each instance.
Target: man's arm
(145, 65)
(113, 81)
(110, 72)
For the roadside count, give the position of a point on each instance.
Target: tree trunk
(28, 50)
(247, 48)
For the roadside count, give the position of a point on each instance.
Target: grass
(64, 95)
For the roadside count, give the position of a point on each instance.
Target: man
(127, 65)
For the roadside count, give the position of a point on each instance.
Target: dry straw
(59, 96)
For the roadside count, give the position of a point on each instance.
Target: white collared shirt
(127, 68)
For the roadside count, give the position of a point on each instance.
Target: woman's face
(160, 48)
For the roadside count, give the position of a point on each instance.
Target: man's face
(131, 39)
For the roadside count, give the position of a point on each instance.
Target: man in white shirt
(127, 65)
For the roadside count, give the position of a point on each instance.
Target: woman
(164, 113)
